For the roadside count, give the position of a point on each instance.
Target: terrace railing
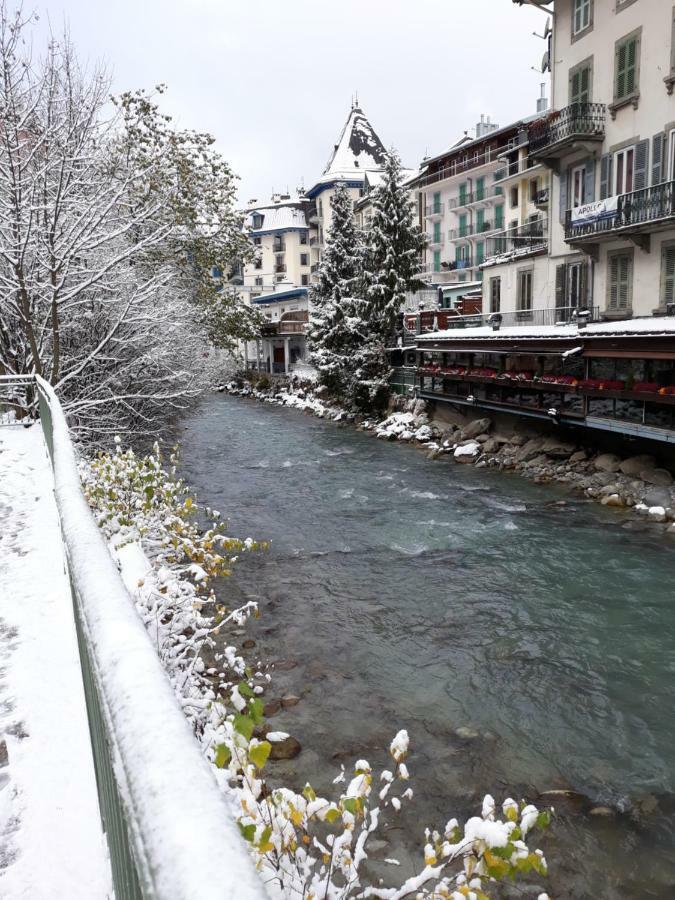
(552, 316)
(579, 120)
(170, 834)
(639, 208)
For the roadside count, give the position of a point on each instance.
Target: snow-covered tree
(331, 337)
(110, 225)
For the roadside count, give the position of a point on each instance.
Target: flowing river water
(523, 637)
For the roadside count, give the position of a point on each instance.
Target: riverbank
(635, 484)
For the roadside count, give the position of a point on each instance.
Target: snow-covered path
(51, 844)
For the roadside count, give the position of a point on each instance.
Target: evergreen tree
(332, 337)
(391, 263)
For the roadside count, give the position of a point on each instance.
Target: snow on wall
(185, 838)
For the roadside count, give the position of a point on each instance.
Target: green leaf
(255, 710)
(349, 803)
(544, 819)
(244, 725)
(223, 756)
(248, 831)
(309, 793)
(332, 814)
(245, 690)
(264, 844)
(259, 753)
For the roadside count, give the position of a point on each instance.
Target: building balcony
(516, 169)
(433, 211)
(280, 268)
(542, 198)
(279, 247)
(458, 234)
(448, 273)
(634, 215)
(562, 131)
(512, 243)
(485, 197)
(435, 240)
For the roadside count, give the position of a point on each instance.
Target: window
(257, 241)
(304, 259)
(534, 189)
(582, 16)
(258, 281)
(437, 233)
(320, 207)
(580, 82)
(619, 280)
(524, 298)
(480, 220)
(495, 294)
(463, 229)
(304, 280)
(480, 189)
(626, 66)
(257, 221)
(499, 216)
(462, 193)
(303, 237)
(437, 260)
(624, 161)
(578, 186)
(513, 195)
(258, 263)
(437, 202)
(668, 273)
(480, 252)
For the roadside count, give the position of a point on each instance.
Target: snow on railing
(170, 832)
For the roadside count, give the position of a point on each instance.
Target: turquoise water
(429, 596)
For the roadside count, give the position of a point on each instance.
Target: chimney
(485, 126)
(542, 102)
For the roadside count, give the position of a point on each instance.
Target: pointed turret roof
(357, 150)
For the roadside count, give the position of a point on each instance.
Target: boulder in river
(468, 452)
(657, 476)
(636, 464)
(283, 745)
(557, 449)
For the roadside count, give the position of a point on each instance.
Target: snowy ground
(51, 844)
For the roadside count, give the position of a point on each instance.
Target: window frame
(665, 246)
(527, 272)
(584, 29)
(573, 200)
(577, 70)
(628, 96)
(495, 282)
(623, 154)
(618, 309)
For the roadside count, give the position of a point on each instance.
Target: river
(434, 597)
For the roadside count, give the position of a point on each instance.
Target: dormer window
(257, 221)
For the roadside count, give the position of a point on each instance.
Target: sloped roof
(276, 218)
(358, 149)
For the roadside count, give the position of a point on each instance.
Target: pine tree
(391, 263)
(332, 337)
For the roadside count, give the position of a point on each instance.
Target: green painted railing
(169, 832)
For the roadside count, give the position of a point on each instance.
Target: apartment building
(463, 203)
(609, 144)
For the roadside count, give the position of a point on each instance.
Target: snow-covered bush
(305, 846)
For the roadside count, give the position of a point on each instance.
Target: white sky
(273, 79)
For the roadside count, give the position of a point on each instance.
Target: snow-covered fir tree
(393, 246)
(332, 338)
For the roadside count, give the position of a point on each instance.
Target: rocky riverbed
(635, 483)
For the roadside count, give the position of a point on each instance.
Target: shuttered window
(437, 232)
(463, 230)
(580, 84)
(668, 273)
(658, 158)
(581, 16)
(480, 189)
(480, 252)
(437, 260)
(626, 67)
(480, 220)
(495, 294)
(619, 281)
(524, 298)
(437, 202)
(499, 216)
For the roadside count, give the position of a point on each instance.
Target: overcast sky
(273, 79)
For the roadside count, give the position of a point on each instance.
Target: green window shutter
(625, 82)
(462, 225)
(480, 188)
(480, 252)
(480, 220)
(462, 193)
(437, 260)
(458, 254)
(499, 216)
(668, 274)
(575, 80)
(613, 282)
(437, 232)
(437, 202)
(631, 66)
(620, 85)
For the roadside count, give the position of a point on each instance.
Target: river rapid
(524, 637)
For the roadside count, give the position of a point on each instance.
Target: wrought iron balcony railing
(636, 211)
(578, 121)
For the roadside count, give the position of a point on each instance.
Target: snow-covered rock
(468, 452)
(657, 514)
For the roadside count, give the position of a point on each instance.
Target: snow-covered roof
(649, 325)
(358, 149)
(278, 296)
(276, 218)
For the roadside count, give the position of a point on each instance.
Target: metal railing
(165, 821)
(466, 163)
(435, 239)
(643, 207)
(485, 195)
(434, 209)
(520, 241)
(552, 316)
(456, 234)
(584, 120)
